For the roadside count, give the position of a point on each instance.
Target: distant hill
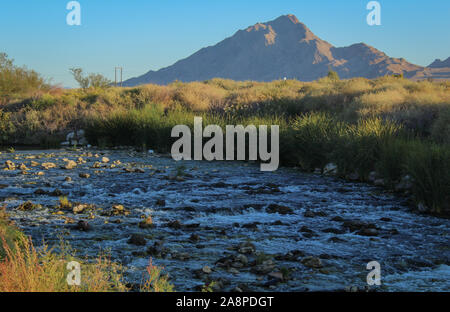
(440, 64)
(284, 47)
(438, 70)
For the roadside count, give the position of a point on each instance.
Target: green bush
(43, 102)
(7, 127)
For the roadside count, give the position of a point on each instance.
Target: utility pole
(116, 69)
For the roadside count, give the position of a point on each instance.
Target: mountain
(284, 47)
(438, 70)
(440, 64)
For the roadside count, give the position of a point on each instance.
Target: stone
(194, 238)
(312, 262)
(147, 223)
(206, 269)
(9, 165)
(70, 164)
(174, 224)
(422, 207)
(137, 239)
(79, 208)
(83, 226)
(80, 160)
(119, 210)
(84, 175)
(368, 232)
(330, 169)
(405, 184)
(305, 229)
(242, 259)
(276, 275)
(28, 206)
(48, 165)
(105, 160)
(23, 167)
(353, 176)
(275, 208)
(265, 267)
(334, 231)
(246, 248)
(233, 271)
(160, 202)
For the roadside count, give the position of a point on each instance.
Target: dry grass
(45, 118)
(24, 268)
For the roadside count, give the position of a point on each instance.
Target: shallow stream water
(319, 232)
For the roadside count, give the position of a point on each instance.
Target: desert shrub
(332, 75)
(43, 102)
(156, 281)
(18, 81)
(197, 96)
(7, 127)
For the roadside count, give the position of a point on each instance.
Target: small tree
(92, 80)
(5, 62)
(79, 77)
(98, 81)
(18, 81)
(333, 75)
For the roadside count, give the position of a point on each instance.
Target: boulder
(48, 165)
(70, 164)
(275, 208)
(83, 226)
(312, 262)
(9, 165)
(137, 239)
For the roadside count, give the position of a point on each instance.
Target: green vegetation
(90, 81)
(25, 269)
(390, 125)
(9, 235)
(18, 81)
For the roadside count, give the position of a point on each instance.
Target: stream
(227, 222)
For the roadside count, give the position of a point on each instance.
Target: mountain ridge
(283, 47)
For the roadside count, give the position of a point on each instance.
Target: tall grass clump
(359, 146)
(150, 126)
(314, 138)
(429, 166)
(10, 236)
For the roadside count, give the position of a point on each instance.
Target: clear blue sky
(149, 34)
